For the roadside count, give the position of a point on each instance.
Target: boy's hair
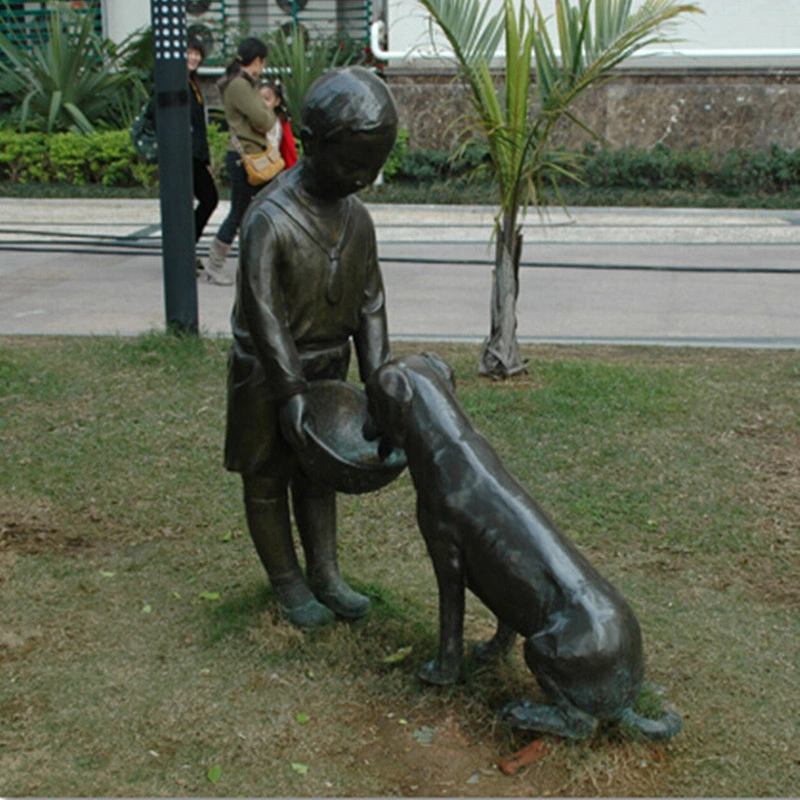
(350, 99)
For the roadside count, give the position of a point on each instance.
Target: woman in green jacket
(248, 119)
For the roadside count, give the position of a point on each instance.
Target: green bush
(395, 160)
(69, 78)
(218, 146)
(661, 167)
(105, 158)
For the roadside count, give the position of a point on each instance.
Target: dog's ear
(392, 401)
(442, 368)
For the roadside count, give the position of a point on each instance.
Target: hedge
(660, 168)
(108, 159)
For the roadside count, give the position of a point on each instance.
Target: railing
(26, 22)
(219, 24)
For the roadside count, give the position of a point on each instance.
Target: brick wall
(714, 110)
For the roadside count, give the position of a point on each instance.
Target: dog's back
(579, 630)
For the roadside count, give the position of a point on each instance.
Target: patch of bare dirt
(441, 759)
(35, 530)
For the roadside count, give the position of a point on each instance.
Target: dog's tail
(656, 730)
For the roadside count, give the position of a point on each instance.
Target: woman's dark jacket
(197, 116)
(197, 120)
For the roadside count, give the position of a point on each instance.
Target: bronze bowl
(336, 453)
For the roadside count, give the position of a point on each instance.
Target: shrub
(218, 146)
(70, 79)
(395, 160)
(105, 158)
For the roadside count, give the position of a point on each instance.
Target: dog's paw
(434, 674)
(488, 651)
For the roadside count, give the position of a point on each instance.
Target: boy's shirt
(305, 286)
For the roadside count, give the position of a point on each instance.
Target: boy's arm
(372, 337)
(262, 303)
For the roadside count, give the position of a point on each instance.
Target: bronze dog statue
(484, 532)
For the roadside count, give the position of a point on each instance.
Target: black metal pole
(175, 163)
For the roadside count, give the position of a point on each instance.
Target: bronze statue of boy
(308, 283)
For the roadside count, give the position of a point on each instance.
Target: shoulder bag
(261, 167)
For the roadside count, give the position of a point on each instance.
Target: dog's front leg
(447, 563)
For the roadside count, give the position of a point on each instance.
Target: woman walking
(205, 190)
(248, 119)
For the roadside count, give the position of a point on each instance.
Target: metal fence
(219, 24)
(26, 22)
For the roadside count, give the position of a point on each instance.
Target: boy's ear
(307, 138)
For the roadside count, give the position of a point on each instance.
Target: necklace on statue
(322, 239)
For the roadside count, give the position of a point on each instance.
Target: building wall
(729, 33)
(717, 111)
(120, 19)
(733, 82)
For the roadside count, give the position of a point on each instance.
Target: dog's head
(391, 392)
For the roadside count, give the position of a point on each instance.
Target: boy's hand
(294, 415)
(370, 430)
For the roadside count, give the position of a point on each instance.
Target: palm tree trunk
(500, 357)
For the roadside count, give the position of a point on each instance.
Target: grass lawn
(140, 652)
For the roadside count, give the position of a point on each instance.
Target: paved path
(709, 277)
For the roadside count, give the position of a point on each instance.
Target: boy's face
(350, 161)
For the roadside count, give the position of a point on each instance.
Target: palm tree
(590, 45)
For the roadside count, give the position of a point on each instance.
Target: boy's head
(349, 126)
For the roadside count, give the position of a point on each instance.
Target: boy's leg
(267, 509)
(315, 514)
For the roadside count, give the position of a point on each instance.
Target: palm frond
(594, 36)
(68, 65)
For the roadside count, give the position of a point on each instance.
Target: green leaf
(147, 608)
(299, 767)
(400, 655)
(214, 773)
(302, 718)
(210, 596)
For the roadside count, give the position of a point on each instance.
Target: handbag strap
(268, 146)
(237, 145)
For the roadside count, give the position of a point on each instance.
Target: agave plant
(299, 62)
(594, 36)
(70, 78)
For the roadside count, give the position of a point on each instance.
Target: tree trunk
(500, 357)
